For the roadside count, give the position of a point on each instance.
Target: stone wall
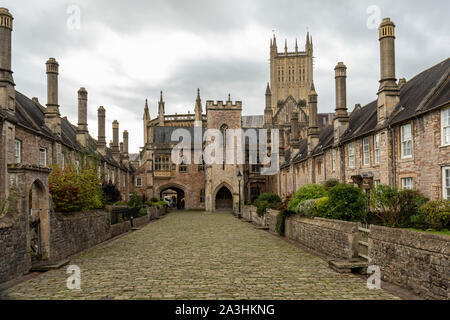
(414, 260)
(119, 228)
(76, 232)
(333, 238)
(271, 219)
(141, 221)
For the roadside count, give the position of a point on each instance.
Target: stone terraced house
(33, 139)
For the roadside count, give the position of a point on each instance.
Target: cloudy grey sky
(126, 51)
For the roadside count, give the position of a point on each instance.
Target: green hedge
(266, 201)
(307, 192)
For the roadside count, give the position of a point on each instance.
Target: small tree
(436, 214)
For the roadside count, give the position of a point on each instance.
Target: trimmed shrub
(307, 192)
(347, 203)
(330, 183)
(321, 207)
(410, 202)
(72, 191)
(135, 201)
(266, 201)
(306, 208)
(110, 193)
(436, 214)
(385, 202)
(142, 212)
(281, 218)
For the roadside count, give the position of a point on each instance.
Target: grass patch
(444, 232)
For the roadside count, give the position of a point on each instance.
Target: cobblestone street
(196, 255)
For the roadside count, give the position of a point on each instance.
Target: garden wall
(76, 232)
(414, 260)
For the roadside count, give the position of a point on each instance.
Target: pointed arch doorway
(224, 199)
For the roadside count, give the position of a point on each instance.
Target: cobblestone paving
(195, 255)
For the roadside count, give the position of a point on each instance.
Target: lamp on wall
(239, 177)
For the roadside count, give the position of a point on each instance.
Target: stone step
(261, 228)
(348, 266)
(245, 220)
(46, 267)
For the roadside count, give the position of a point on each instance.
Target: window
(162, 163)
(446, 182)
(42, 157)
(63, 161)
(333, 160)
(406, 142)
(256, 168)
(138, 182)
(319, 168)
(376, 148)
(366, 152)
(376, 183)
(445, 123)
(351, 155)
(407, 183)
(202, 196)
(17, 151)
(183, 166)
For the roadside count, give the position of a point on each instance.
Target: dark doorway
(224, 199)
(175, 196)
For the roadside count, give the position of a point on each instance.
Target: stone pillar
(101, 138)
(7, 93)
(82, 130)
(52, 116)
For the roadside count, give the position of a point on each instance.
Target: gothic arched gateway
(224, 199)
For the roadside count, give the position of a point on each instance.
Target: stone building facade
(33, 139)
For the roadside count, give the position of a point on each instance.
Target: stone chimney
(7, 92)
(82, 130)
(341, 119)
(125, 146)
(313, 128)
(101, 138)
(401, 82)
(121, 148)
(115, 143)
(295, 141)
(52, 116)
(388, 93)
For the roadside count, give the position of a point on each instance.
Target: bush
(284, 204)
(306, 208)
(7, 205)
(72, 191)
(346, 202)
(135, 201)
(307, 192)
(266, 201)
(321, 207)
(385, 202)
(330, 183)
(110, 193)
(153, 199)
(410, 202)
(281, 218)
(142, 212)
(436, 214)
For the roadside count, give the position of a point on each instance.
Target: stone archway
(223, 200)
(180, 197)
(39, 222)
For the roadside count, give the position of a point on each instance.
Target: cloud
(126, 51)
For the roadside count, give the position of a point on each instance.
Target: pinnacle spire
(229, 97)
(268, 92)
(146, 104)
(285, 45)
(274, 41)
(296, 45)
(161, 97)
(312, 90)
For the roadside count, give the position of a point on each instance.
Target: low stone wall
(119, 228)
(333, 238)
(15, 257)
(271, 219)
(247, 212)
(76, 232)
(414, 260)
(140, 221)
(155, 213)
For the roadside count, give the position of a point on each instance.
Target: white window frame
(405, 185)
(376, 183)
(406, 142)
(445, 127)
(351, 155)
(17, 151)
(376, 148)
(42, 157)
(63, 160)
(138, 182)
(445, 183)
(366, 153)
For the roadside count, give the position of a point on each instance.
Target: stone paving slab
(197, 255)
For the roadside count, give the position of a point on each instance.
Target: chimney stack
(82, 130)
(388, 93)
(341, 118)
(295, 141)
(101, 138)
(125, 145)
(115, 143)
(7, 92)
(313, 128)
(52, 116)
